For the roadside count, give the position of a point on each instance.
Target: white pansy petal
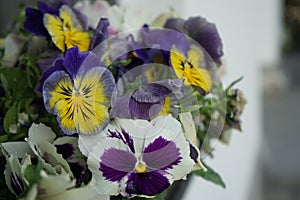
(19, 149)
(105, 186)
(172, 131)
(39, 133)
(87, 142)
(189, 127)
(54, 184)
(32, 194)
(87, 192)
(13, 175)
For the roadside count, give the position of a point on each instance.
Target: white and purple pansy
(138, 157)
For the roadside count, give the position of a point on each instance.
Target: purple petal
(176, 38)
(101, 32)
(161, 154)
(120, 107)
(46, 63)
(73, 60)
(34, 23)
(203, 32)
(206, 34)
(142, 110)
(57, 67)
(77, 62)
(151, 93)
(116, 163)
(151, 37)
(45, 8)
(175, 24)
(150, 183)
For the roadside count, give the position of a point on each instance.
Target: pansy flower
(138, 157)
(146, 102)
(66, 30)
(189, 66)
(78, 90)
(202, 31)
(63, 25)
(136, 97)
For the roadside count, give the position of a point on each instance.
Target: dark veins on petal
(124, 136)
(16, 184)
(150, 183)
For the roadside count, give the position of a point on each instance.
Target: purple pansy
(202, 31)
(138, 157)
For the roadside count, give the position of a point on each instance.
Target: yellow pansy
(66, 31)
(189, 68)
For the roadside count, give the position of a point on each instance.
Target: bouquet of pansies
(91, 109)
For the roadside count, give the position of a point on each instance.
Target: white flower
(93, 11)
(138, 157)
(23, 118)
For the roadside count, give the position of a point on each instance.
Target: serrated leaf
(11, 117)
(210, 175)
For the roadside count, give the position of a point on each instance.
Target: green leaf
(233, 83)
(4, 84)
(11, 116)
(32, 173)
(210, 175)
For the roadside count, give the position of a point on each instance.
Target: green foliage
(11, 116)
(32, 173)
(18, 86)
(210, 175)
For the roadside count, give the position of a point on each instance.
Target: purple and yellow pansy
(61, 25)
(78, 91)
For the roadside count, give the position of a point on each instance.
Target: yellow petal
(176, 60)
(80, 39)
(61, 101)
(190, 68)
(69, 18)
(54, 25)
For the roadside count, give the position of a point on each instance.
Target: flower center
(77, 97)
(140, 167)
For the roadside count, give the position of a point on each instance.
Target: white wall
(251, 32)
